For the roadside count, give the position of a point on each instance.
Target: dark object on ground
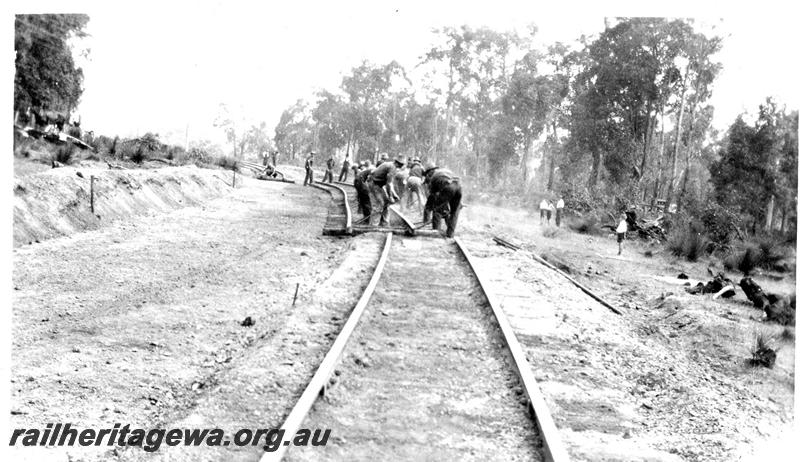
(505, 243)
(248, 321)
(713, 286)
(648, 253)
(765, 357)
(558, 263)
(683, 276)
(762, 353)
(778, 308)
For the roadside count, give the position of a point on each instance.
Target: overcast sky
(163, 66)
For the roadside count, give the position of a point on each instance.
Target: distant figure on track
(309, 169)
(550, 209)
(381, 191)
(345, 169)
(444, 200)
(329, 165)
(621, 230)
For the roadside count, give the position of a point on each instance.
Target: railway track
(344, 207)
(425, 368)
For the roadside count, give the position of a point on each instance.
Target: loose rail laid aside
(325, 370)
(340, 218)
(546, 263)
(554, 447)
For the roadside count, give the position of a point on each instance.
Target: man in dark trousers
(345, 168)
(382, 192)
(444, 200)
(329, 165)
(309, 169)
(362, 188)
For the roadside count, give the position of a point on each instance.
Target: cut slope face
(58, 202)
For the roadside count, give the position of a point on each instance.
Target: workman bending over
(382, 192)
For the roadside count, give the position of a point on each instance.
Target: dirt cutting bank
(58, 202)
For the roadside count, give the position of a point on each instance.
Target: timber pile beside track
(427, 374)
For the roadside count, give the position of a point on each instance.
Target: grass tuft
(763, 352)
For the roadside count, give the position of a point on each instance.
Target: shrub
(765, 252)
(763, 353)
(720, 224)
(687, 243)
(584, 225)
(787, 334)
(139, 155)
(112, 151)
(226, 162)
(175, 153)
(65, 153)
(770, 251)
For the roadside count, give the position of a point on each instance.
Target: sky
(166, 67)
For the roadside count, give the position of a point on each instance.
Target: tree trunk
(784, 213)
(686, 174)
(770, 210)
(552, 167)
(671, 190)
(594, 176)
(525, 158)
(647, 134)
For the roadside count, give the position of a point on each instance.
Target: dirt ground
(140, 321)
(670, 374)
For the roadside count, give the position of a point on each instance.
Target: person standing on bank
(542, 211)
(550, 209)
(381, 191)
(559, 210)
(309, 169)
(622, 229)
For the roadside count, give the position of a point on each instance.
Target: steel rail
(407, 224)
(348, 213)
(261, 169)
(553, 446)
(326, 368)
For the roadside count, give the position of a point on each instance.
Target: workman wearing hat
(382, 192)
(309, 169)
(416, 177)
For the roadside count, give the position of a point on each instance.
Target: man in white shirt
(559, 210)
(621, 230)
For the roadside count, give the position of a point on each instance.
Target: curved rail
(553, 446)
(348, 216)
(325, 370)
(403, 221)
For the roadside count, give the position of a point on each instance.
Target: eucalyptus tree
(46, 75)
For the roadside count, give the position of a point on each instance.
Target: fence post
(91, 193)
